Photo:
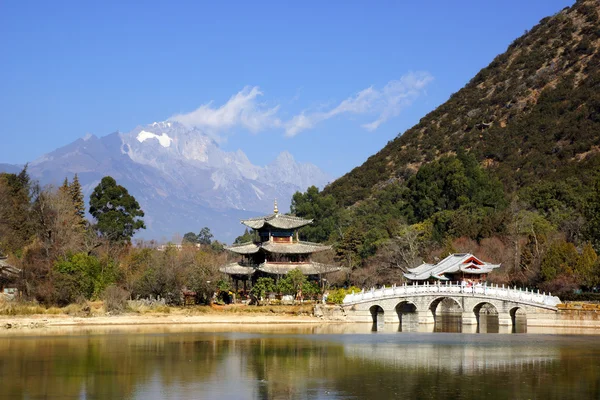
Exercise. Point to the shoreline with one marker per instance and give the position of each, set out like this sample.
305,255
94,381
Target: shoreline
572,319
49,321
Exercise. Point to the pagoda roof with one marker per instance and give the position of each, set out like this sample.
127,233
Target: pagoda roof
309,268
277,220
294,248
244,248
237,269
279,248
463,262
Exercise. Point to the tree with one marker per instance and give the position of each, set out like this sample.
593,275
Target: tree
190,237
586,265
348,248
292,283
77,197
82,275
16,224
592,214
205,236
116,211
247,236
56,223
322,209
262,287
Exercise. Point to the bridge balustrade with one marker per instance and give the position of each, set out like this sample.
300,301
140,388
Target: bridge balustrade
492,291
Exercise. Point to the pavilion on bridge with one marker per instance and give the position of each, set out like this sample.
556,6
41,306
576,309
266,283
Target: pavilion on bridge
276,250
454,268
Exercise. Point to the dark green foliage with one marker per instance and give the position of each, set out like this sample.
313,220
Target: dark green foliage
592,214
116,211
313,205
247,236
452,183
205,236
77,197
16,219
262,287
82,275
190,238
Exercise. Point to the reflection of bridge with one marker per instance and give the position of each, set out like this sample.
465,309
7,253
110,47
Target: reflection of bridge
425,301
452,355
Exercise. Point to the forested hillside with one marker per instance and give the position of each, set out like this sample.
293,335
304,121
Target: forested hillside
507,167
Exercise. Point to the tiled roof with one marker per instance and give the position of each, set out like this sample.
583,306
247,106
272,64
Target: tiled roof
311,268
294,248
244,248
279,221
237,269
464,262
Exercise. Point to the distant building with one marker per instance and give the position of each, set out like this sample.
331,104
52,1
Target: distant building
277,250
164,247
455,267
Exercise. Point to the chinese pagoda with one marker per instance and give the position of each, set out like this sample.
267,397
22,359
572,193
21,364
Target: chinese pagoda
276,250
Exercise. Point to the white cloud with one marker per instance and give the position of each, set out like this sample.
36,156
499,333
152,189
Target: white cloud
242,109
385,103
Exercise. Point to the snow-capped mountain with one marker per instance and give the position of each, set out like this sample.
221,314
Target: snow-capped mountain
180,177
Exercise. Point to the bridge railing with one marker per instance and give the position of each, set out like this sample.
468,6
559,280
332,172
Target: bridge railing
481,290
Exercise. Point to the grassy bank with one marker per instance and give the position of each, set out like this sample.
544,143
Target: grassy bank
98,308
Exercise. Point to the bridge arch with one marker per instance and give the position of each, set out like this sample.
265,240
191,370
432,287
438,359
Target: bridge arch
378,316
487,317
485,307
518,317
444,304
407,314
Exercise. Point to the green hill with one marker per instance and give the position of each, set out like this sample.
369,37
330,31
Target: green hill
523,136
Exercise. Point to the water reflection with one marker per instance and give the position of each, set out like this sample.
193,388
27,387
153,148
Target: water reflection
324,361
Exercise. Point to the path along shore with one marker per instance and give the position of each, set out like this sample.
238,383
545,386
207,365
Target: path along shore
179,316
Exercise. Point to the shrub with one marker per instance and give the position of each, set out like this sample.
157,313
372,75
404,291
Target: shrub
115,299
337,296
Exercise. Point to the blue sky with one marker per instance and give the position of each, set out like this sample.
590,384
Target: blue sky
330,81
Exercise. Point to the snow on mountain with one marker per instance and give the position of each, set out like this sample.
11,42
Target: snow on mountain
181,177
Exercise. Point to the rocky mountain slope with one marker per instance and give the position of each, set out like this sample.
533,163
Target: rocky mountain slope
180,176
531,116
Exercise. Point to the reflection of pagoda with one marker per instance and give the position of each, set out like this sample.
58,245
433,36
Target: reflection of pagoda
276,249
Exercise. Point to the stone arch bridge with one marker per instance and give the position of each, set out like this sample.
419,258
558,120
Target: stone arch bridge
390,304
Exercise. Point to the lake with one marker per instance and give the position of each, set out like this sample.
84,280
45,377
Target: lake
347,361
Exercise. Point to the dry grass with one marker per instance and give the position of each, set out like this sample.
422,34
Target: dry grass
16,308
97,308
302,309
21,308
141,307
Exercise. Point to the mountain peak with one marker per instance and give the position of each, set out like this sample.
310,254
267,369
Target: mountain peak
285,157
180,176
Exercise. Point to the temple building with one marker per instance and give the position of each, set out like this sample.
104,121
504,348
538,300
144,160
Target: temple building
455,267
276,250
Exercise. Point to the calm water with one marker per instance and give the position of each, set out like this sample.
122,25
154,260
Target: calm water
309,362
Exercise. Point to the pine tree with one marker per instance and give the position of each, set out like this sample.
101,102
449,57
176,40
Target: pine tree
77,197
65,186
117,213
